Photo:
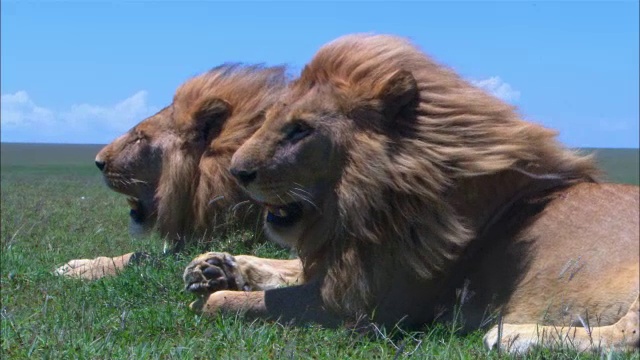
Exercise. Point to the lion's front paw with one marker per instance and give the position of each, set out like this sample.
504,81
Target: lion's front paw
513,339
212,272
74,268
93,269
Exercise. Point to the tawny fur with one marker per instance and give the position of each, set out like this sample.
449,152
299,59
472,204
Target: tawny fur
421,193
176,161
197,194
412,168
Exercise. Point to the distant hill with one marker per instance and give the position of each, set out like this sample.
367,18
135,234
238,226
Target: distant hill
620,165
48,154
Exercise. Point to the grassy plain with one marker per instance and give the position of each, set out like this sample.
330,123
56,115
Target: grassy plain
54,207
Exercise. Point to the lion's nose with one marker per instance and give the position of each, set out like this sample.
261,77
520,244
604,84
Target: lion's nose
100,164
244,176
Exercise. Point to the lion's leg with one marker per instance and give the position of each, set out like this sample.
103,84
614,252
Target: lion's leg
298,304
623,335
265,274
93,269
274,289
213,271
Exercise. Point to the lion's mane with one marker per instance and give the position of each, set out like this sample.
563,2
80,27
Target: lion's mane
197,196
394,189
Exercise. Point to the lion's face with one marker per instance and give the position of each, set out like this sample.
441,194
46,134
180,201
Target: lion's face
132,165
292,163
174,164
300,158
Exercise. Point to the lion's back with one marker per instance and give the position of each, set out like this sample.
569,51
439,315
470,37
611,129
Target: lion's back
578,255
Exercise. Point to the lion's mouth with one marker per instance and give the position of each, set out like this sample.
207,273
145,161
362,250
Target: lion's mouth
136,210
117,183
284,215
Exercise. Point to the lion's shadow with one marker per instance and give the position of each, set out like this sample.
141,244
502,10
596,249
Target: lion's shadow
493,266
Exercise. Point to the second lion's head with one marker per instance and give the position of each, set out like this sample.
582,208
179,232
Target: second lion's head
174,164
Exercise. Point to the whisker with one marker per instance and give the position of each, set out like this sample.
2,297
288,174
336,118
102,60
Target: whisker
305,199
299,188
303,194
291,195
219,197
302,191
236,206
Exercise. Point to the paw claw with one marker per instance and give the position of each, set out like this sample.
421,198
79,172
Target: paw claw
214,261
197,305
213,272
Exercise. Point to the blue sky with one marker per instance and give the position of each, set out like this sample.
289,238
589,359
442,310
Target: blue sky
85,72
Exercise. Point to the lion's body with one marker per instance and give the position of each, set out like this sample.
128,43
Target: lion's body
550,261
409,183
174,164
563,270
579,256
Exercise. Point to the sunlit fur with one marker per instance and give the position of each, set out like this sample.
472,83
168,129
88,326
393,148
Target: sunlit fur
185,150
420,160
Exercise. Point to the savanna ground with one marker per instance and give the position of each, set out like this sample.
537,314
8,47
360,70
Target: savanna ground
56,208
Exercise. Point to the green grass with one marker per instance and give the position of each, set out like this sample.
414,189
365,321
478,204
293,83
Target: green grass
54,207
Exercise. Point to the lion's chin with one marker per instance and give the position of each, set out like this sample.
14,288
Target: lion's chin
284,215
138,224
136,210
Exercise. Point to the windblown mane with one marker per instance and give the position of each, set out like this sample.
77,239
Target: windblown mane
197,195
400,175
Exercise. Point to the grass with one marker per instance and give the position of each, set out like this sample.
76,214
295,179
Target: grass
57,209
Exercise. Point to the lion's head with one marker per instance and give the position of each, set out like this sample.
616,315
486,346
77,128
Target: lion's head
377,164
174,164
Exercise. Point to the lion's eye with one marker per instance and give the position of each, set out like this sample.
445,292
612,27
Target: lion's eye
298,131
138,139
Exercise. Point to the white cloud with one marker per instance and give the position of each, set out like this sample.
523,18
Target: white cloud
23,120
18,110
495,86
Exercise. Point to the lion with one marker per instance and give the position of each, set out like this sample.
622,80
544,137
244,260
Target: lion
173,165
412,196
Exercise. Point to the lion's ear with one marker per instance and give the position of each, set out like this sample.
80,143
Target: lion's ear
396,92
212,113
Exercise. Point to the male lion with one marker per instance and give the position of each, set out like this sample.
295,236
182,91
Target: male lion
408,193
174,164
